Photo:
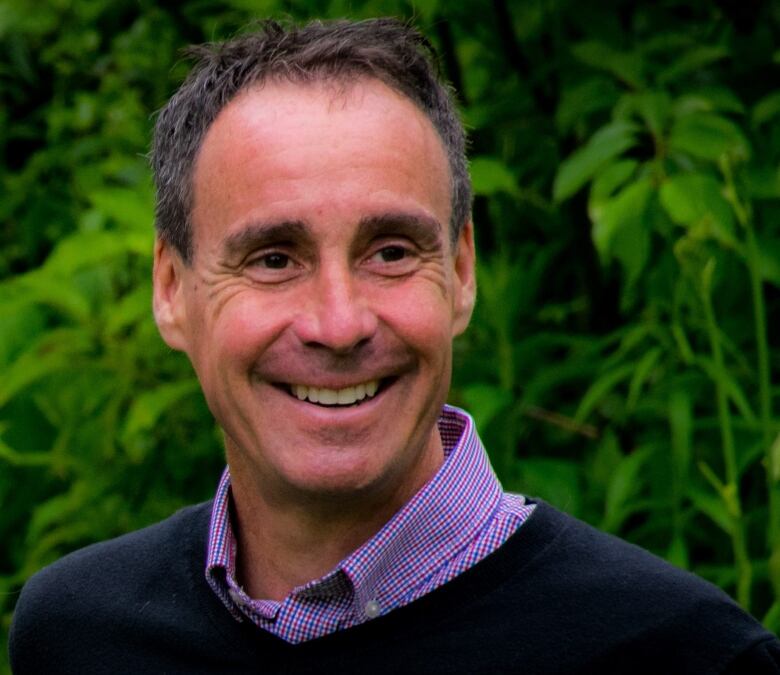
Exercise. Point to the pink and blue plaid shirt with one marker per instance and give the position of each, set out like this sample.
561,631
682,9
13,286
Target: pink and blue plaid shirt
456,519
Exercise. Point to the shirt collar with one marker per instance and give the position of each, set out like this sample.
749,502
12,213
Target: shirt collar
441,518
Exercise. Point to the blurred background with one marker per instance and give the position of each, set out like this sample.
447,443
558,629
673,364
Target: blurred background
621,363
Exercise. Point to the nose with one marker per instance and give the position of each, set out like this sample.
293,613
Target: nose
336,313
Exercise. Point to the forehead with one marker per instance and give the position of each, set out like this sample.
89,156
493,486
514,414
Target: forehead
318,150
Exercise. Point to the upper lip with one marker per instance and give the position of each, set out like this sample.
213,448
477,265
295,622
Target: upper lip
313,373
324,379
332,384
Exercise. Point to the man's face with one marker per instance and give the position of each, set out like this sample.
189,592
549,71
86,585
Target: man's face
324,293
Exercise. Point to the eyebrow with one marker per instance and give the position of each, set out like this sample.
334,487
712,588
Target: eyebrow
257,234
424,229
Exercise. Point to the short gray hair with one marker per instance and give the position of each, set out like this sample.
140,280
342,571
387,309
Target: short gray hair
386,49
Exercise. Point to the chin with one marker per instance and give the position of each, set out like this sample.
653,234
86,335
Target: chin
345,483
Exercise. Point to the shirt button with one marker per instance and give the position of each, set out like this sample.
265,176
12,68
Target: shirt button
372,609
235,597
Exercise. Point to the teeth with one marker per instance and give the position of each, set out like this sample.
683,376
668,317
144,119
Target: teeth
327,396
346,396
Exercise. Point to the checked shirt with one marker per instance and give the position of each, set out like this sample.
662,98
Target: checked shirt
454,521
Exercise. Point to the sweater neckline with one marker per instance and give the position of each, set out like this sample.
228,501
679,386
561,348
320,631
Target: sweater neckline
543,527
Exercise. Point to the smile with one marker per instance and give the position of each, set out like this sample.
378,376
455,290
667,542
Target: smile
331,397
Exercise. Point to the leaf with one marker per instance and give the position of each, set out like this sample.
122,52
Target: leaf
625,483
68,536
130,208
766,109
87,249
58,509
600,389
606,144
774,569
769,260
696,201
255,7
708,136
619,228
681,427
606,459
148,408
426,9
771,619
611,178
733,390
490,176
592,95
21,323
17,458
40,288
132,308
711,506
644,369
707,99
52,353
774,461
625,66
683,344
762,181
654,107
691,61
677,553
508,287
554,480
485,402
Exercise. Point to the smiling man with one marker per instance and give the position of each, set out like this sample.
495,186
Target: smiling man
315,260
318,309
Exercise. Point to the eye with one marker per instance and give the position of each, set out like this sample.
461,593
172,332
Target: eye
272,267
394,259
392,253
274,261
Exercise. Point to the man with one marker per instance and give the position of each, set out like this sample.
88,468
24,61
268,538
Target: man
314,260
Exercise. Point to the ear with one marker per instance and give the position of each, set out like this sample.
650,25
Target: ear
168,295
465,279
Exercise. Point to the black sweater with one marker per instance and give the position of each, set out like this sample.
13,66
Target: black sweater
558,597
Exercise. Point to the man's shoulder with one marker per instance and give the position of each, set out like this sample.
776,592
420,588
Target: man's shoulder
589,554
569,554
124,559
617,596
131,585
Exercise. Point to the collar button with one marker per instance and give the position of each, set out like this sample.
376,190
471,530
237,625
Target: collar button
235,597
372,609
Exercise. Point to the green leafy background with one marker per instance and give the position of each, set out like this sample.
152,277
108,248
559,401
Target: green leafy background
621,360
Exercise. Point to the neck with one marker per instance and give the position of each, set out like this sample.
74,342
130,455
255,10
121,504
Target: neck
285,543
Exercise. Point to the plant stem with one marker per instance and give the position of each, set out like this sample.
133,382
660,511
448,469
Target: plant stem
730,491
753,261
506,376
764,388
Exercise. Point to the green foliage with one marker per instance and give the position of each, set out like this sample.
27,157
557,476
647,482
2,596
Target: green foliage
620,362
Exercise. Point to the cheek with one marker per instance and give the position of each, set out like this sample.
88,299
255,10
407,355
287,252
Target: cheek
424,322
246,328
232,335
